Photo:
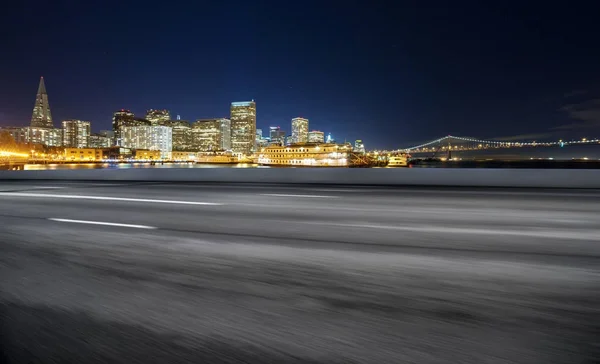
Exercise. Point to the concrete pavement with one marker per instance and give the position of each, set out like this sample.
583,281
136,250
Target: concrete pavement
247,273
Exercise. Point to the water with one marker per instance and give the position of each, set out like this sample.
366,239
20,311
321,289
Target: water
536,164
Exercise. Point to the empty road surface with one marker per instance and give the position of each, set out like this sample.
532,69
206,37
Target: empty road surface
101,272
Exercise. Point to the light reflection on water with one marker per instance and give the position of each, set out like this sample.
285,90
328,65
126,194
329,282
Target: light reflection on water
56,166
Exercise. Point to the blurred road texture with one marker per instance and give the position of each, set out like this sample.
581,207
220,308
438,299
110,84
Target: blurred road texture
98,272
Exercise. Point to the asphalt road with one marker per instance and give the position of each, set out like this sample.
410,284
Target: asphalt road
174,273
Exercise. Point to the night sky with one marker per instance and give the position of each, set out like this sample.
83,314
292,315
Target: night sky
391,73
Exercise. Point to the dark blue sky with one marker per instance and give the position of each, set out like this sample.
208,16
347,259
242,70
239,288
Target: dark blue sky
389,72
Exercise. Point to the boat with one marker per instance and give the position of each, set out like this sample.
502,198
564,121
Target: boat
217,158
306,155
400,160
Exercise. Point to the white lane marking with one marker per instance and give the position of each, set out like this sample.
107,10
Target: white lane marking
103,223
289,195
335,190
44,187
555,234
108,198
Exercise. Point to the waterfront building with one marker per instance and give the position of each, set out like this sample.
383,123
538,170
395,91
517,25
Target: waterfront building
146,154
299,130
243,127
41,116
76,133
83,154
316,136
149,137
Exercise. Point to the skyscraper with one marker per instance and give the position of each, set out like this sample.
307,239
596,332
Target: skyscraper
225,134
277,135
121,118
206,135
243,127
316,136
76,133
155,117
41,116
299,130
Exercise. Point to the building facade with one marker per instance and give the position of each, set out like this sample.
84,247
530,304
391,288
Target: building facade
156,117
316,136
181,129
76,133
243,127
18,133
83,154
100,141
41,116
206,135
149,137
51,137
299,130
120,119
276,135
225,134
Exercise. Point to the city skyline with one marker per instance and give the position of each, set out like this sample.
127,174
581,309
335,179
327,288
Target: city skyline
391,75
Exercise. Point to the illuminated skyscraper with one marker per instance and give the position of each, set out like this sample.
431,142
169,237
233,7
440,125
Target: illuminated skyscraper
299,130
277,135
149,137
98,141
182,137
41,117
316,136
121,118
155,117
243,127
225,134
76,133
206,135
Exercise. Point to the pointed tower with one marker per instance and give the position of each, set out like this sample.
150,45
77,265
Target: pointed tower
41,116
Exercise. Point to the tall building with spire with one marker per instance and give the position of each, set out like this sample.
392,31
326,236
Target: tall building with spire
41,117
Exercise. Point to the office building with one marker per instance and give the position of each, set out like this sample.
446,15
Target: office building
289,140
225,134
149,137
76,133
243,127
41,116
98,141
182,137
359,147
51,137
206,135
121,118
276,135
156,117
18,133
299,130
316,136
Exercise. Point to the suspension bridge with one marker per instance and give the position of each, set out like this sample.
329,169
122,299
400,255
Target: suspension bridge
451,143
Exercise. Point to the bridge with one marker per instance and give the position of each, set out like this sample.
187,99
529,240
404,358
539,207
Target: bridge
457,143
